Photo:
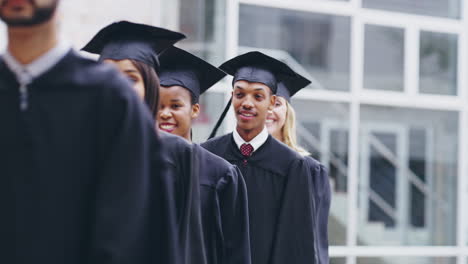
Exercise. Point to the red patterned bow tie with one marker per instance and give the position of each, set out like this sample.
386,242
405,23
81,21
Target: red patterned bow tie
246,149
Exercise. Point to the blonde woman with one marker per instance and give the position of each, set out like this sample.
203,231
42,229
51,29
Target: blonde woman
281,124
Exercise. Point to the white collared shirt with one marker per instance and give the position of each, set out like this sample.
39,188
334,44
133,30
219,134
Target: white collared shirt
26,73
256,142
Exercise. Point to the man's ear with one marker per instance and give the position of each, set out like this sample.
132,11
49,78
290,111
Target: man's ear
195,111
272,102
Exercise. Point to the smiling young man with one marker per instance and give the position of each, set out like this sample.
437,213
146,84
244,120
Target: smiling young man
78,180
281,206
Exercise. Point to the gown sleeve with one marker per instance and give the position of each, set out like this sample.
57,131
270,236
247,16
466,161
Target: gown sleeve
322,195
191,224
295,237
131,222
233,207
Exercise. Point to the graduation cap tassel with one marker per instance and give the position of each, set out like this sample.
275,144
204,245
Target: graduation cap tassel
220,120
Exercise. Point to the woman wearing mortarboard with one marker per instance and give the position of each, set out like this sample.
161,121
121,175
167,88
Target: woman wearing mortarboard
212,201
281,124
281,204
133,49
184,77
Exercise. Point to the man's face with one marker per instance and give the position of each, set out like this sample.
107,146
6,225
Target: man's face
23,13
251,102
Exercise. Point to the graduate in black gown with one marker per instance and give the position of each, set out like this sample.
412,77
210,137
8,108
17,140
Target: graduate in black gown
79,159
134,49
188,164
281,207
184,77
281,124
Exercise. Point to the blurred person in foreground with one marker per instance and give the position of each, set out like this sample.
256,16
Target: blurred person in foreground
79,158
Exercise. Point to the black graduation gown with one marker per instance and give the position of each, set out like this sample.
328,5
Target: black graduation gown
78,171
281,207
322,197
224,210
182,163
221,200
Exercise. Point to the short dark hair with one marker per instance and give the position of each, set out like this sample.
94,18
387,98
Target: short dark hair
151,83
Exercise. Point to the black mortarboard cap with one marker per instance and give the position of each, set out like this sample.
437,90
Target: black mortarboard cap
289,86
127,40
181,68
257,67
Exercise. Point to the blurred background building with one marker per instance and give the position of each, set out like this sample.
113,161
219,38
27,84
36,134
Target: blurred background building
387,111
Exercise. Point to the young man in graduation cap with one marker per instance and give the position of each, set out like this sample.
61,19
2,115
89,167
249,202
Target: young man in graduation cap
281,124
281,207
184,77
76,181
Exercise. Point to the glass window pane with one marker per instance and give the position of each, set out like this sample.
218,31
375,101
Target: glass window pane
323,129
407,260
80,20
211,106
384,56
337,260
438,63
438,8
408,177
203,21
316,45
